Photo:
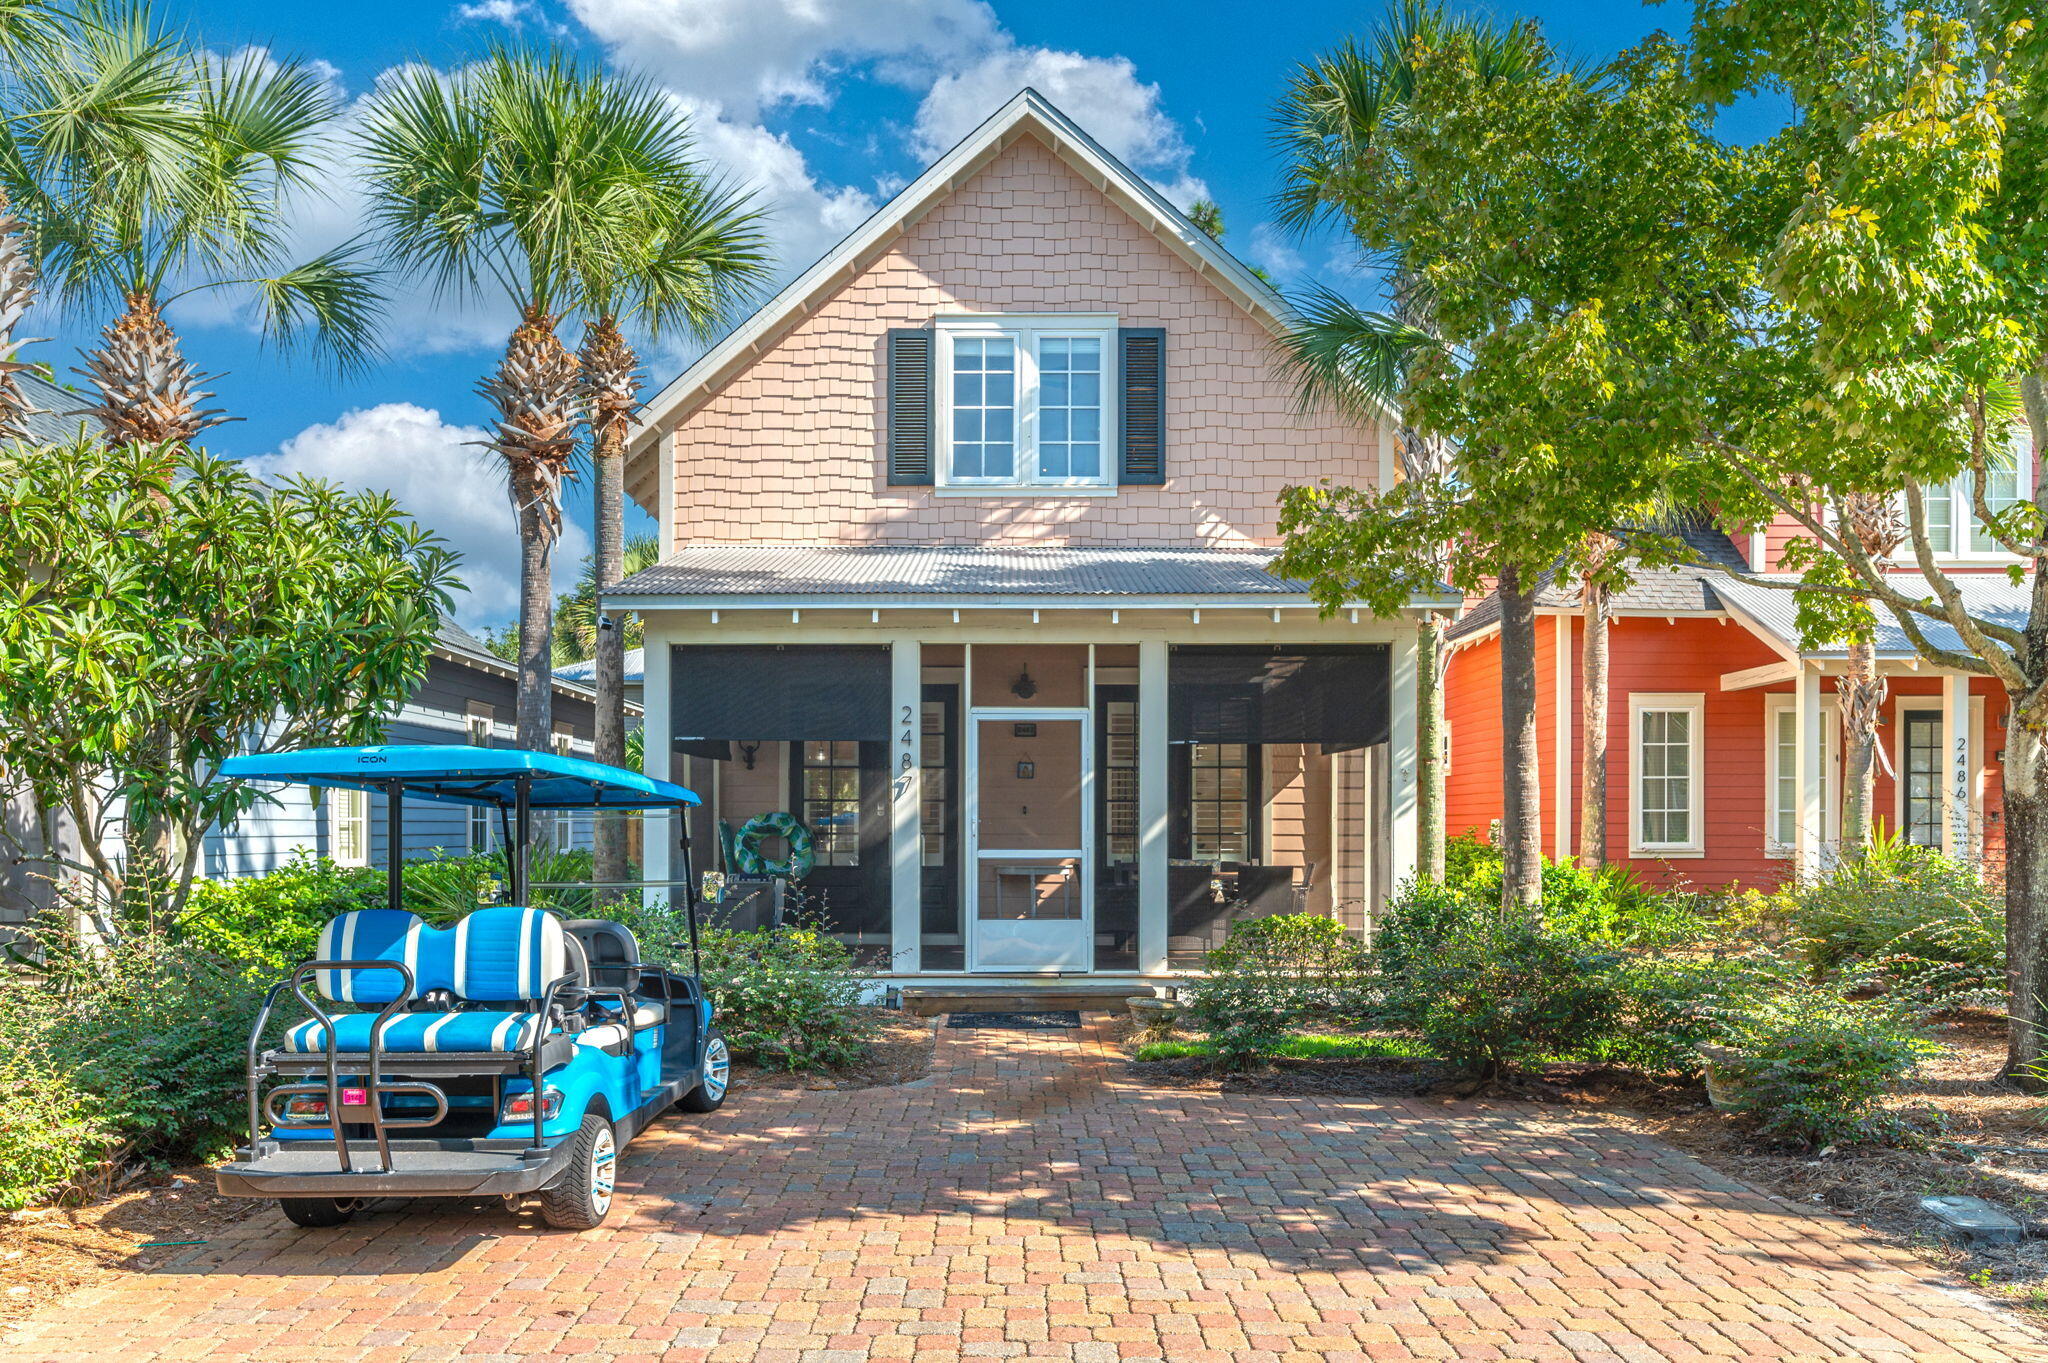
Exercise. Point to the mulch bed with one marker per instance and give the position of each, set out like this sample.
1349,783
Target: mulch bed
47,1251
1992,1141
902,1052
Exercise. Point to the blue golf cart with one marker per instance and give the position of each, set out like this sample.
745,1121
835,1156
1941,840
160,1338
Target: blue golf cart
509,1053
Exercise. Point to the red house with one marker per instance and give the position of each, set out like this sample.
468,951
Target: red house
1724,748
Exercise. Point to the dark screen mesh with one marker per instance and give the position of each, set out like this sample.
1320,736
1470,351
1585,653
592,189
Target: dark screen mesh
1336,696
805,691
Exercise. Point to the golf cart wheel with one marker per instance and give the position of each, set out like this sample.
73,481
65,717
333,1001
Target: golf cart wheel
316,1213
709,1096
582,1197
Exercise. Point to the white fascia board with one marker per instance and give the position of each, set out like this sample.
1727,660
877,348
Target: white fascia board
996,603
1066,138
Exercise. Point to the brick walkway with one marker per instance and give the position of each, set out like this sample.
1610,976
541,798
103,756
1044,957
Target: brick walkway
1029,1202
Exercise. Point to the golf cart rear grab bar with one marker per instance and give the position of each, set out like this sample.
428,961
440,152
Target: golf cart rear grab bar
375,1084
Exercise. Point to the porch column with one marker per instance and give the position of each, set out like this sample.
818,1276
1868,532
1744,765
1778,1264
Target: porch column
1955,767
1808,773
1152,806
906,776
1402,760
658,830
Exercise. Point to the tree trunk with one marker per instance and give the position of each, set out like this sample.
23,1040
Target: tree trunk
1593,720
17,296
1429,743
2026,885
1862,693
608,382
535,709
1521,805
149,392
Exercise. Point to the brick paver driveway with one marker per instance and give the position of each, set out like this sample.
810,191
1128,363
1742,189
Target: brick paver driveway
1029,1202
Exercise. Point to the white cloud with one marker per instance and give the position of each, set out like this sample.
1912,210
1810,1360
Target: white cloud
1102,94
441,477
511,12
1271,252
749,55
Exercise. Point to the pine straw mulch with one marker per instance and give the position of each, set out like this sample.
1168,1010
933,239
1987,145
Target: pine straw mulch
45,1252
901,1053
1992,1141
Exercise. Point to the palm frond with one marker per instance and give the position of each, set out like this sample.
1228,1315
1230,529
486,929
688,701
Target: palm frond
330,303
1343,357
30,26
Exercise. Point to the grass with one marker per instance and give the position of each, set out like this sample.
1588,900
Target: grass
1300,1048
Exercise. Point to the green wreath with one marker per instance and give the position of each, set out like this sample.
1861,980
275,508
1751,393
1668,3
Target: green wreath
781,824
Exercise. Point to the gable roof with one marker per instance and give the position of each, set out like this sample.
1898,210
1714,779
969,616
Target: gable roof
1685,589
1028,113
54,417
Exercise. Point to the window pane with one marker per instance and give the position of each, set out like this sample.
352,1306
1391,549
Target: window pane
1069,407
984,406
1940,517
2001,490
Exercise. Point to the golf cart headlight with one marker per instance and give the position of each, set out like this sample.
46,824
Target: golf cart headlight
305,1107
519,1107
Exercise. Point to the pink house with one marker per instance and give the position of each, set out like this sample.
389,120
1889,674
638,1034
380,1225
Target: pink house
965,542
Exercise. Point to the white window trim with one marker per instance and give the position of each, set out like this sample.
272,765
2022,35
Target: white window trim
1963,515
1694,702
359,800
480,713
1831,774
1975,759
1027,329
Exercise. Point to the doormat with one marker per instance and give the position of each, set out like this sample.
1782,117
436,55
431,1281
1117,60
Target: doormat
1017,1022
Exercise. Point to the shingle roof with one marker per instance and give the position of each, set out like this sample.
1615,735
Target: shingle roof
49,423
788,571
1672,591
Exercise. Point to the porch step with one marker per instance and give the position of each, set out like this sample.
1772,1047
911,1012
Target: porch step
1007,997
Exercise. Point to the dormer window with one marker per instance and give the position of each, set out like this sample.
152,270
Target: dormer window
1026,401
1953,530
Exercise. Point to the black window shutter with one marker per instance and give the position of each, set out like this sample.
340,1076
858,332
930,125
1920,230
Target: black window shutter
910,407
1141,415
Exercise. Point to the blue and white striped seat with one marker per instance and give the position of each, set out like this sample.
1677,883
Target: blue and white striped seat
503,955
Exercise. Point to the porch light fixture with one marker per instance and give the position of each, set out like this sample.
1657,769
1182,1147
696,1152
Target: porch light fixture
1024,688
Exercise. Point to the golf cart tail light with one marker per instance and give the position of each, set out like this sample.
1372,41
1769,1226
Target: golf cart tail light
355,1097
521,1105
304,1106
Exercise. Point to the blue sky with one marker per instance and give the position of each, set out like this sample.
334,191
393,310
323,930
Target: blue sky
824,107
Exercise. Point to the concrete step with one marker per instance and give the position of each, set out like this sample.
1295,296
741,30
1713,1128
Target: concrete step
930,1001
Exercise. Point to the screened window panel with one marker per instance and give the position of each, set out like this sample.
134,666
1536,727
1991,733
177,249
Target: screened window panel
1336,697
723,693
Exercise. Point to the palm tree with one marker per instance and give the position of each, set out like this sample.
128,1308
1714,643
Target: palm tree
560,189
1331,126
149,170
26,26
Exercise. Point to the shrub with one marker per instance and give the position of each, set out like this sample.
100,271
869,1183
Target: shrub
1272,973
791,998
1500,991
1609,906
269,923
1810,1066
133,1051
1910,920
1667,1006
1421,914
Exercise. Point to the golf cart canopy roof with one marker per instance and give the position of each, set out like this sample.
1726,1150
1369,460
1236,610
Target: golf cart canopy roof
466,775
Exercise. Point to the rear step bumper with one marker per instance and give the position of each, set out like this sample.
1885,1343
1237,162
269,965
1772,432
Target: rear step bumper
415,1172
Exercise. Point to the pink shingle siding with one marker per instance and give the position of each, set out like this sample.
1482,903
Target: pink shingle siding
791,449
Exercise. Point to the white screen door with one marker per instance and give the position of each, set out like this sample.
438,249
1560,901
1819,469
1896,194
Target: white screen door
1031,818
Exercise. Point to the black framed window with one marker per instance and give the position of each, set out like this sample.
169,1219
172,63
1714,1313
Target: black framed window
1120,782
1922,776
831,799
1220,786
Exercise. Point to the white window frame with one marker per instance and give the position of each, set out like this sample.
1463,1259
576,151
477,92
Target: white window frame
1963,515
480,723
1831,773
1901,705
1026,330
1695,704
345,807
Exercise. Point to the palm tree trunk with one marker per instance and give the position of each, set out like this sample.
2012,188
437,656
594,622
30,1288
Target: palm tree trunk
1598,602
1862,691
17,296
534,708
1430,658
1521,804
609,385
149,392
534,391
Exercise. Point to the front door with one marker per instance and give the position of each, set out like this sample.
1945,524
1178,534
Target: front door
1031,820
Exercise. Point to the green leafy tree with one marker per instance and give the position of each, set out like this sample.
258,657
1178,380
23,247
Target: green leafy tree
1565,229
559,188
160,611
148,170
1902,340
